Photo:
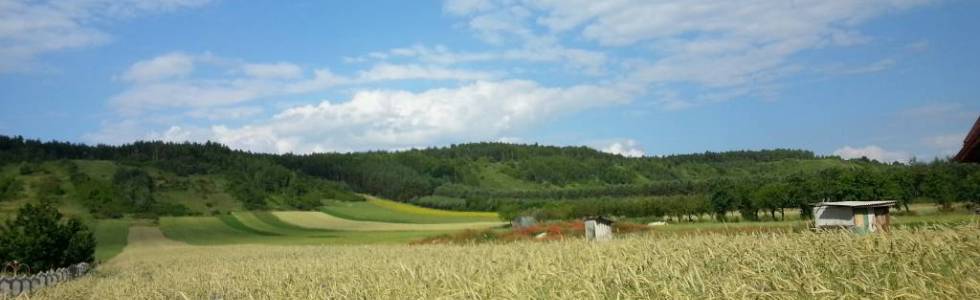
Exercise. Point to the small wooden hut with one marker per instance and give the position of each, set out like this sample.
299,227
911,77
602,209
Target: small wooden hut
598,229
859,216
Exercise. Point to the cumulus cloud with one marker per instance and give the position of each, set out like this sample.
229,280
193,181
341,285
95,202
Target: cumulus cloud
397,119
462,7
720,45
685,54
160,67
225,113
385,71
874,67
627,148
275,70
32,28
169,81
872,152
590,61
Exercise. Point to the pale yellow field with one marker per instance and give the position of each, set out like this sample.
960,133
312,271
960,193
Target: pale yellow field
931,263
412,209
319,220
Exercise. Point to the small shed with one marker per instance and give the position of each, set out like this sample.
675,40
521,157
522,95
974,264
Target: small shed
522,222
598,229
859,216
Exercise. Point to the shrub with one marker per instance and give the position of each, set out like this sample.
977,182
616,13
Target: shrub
38,238
10,188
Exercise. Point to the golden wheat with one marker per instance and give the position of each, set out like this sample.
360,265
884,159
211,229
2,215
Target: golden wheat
927,263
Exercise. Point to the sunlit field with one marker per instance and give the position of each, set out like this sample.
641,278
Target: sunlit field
927,263
377,209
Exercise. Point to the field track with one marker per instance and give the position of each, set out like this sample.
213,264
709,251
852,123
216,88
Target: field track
149,237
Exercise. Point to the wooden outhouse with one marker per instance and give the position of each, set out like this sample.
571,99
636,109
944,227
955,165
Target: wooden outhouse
859,216
598,229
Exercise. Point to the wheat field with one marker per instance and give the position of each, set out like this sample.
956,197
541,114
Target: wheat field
923,263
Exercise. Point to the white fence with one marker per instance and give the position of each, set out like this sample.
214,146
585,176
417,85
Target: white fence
14,286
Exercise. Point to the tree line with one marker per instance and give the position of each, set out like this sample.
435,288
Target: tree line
462,176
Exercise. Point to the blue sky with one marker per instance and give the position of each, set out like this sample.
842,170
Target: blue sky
887,79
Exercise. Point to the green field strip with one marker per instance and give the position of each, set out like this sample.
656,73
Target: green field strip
205,231
425,211
235,223
380,210
320,220
111,236
271,219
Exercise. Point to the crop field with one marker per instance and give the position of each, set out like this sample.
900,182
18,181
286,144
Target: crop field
377,209
111,238
224,231
319,220
925,262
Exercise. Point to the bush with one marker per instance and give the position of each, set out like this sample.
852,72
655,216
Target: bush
38,238
48,188
305,202
28,168
10,188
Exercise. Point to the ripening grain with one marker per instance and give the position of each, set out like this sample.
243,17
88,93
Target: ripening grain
922,263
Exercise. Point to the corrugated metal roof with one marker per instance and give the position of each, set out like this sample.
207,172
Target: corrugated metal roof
858,203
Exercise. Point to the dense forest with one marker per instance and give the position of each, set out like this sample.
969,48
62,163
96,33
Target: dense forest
547,181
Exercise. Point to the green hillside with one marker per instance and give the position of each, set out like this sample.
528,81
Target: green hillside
153,179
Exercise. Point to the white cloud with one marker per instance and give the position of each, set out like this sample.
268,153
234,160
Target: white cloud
718,45
392,119
32,28
872,152
168,81
225,113
197,94
160,67
276,70
385,71
463,7
627,148
589,61
874,67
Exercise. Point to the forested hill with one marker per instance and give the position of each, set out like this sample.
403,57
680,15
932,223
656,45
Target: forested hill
487,175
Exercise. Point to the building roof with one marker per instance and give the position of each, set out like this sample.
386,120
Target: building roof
858,203
971,145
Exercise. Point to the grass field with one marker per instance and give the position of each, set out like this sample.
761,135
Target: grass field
256,228
319,220
376,209
110,238
925,263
